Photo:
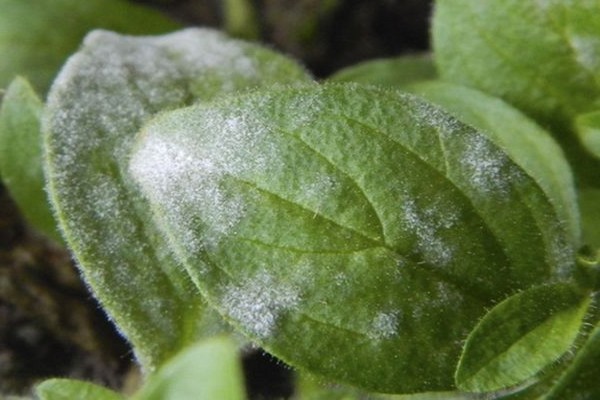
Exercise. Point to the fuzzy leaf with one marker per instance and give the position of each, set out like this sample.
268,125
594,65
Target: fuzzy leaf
581,379
21,155
101,98
541,56
522,139
37,36
343,226
397,72
208,370
69,389
588,128
520,336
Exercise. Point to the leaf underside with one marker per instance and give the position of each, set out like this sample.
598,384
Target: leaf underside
342,226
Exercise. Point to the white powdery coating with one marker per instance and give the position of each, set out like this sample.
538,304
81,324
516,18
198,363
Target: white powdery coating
426,225
182,174
383,326
587,50
258,303
486,166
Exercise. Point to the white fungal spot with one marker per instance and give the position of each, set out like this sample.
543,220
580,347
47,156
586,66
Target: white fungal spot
383,326
426,225
258,303
182,173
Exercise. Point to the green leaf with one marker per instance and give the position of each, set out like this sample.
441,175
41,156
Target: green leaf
528,145
397,72
208,370
21,155
589,203
343,226
102,96
581,379
520,336
69,389
541,56
39,35
588,128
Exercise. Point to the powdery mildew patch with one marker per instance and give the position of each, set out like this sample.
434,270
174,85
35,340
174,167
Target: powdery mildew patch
184,174
383,326
258,303
427,225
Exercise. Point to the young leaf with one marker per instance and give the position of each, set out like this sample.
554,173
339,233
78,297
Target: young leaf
522,139
102,96
343,226
69,389
581,379
208,370
39,35
541,56
397,72
21,155
588,128
520,336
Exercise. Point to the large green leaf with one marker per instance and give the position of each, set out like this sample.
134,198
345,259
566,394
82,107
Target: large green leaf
349,230
69,389
396,72
209,370
102,96
21,157
520,336
36,36
522,139
541,56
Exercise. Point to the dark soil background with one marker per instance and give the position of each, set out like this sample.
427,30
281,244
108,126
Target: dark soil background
49,323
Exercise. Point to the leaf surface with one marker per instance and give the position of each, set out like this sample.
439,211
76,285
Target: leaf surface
397,72
21,155
589,203
101,98
581,379
39,38
69,389
522,139
541,56
341,226
208,370
520,336
588,128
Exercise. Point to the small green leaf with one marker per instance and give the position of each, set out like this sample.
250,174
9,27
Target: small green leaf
37,36
588,128
397,72
69,389
522,139
344,226
581,379
541,56
520,336
100,100
21,155
589,203
208,370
